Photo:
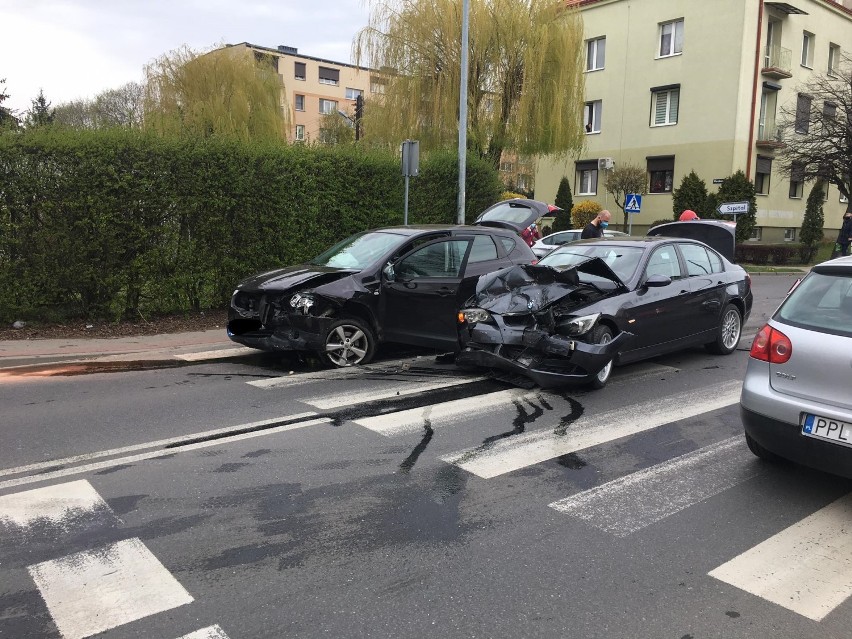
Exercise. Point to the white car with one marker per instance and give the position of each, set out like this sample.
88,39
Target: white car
546,244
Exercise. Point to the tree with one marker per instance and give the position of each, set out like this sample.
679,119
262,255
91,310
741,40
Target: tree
122,107
623,180
811,234
525,84
40,113
335,128
738,188
691,194
565,201
226,92
816,130
8,119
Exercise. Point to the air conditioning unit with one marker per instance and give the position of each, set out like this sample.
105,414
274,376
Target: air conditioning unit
605,164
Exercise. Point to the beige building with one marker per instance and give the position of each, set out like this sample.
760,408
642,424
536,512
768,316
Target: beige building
682,85
314,88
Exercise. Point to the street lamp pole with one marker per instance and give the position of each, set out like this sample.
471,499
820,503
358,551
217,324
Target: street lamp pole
463,111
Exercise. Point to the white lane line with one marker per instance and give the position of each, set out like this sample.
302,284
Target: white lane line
95,590
806,568
625,505
211,632
221,353
57,504
512,453
155,444
412,420
389,367
400,389
120,461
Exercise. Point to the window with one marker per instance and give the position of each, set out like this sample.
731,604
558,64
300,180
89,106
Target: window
506,166
671,38
664,262
829,111
797,180
508,244
377,84
756,234
807,48
587,178
833,59
300,132
789,235
595,54
592,116
353,94
329,76
300,102
327,106
696,258
803,113
300,70
661,174
761,177
442,259
665,102
483,249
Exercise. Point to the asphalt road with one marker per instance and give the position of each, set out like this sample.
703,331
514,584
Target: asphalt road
233,498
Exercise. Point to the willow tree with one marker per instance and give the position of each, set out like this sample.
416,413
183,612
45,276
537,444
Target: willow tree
226,92
525,81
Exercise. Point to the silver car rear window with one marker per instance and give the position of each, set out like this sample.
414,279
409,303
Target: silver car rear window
822,302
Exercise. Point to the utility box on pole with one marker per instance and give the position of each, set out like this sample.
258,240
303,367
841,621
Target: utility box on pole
410,167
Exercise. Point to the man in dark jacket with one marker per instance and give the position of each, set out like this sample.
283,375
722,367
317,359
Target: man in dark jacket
845,235
596,227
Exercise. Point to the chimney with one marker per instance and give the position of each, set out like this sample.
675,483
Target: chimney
285,49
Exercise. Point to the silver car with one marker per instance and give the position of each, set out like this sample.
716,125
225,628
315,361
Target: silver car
796,400
553,241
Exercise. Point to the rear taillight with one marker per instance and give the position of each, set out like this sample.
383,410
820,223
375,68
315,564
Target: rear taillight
771,345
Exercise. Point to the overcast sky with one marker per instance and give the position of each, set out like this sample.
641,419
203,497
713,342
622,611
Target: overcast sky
78,48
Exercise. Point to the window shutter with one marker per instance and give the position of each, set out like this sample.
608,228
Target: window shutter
332,75
764,165
300,69
660,109
665,163
797,172
674,104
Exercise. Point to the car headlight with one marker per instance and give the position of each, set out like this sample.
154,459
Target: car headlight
474,315
581,325
302,302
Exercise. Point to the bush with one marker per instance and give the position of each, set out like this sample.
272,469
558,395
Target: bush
763,254
658,222
565,201
511,195
584,212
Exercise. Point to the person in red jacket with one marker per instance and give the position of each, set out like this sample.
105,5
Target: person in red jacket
689,214
531,234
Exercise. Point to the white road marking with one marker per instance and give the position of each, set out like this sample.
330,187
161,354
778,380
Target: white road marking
54,503
412,420
806,568
95,590
400,389
151,454
221,353
625,505
154,444
211,632
389,367
512,453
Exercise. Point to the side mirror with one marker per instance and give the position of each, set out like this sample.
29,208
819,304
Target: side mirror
388,272
658,281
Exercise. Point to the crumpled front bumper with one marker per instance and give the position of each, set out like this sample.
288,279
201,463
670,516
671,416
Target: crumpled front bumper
293,332
549,360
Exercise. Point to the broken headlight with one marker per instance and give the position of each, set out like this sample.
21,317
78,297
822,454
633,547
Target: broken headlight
302,302
581,325
474,315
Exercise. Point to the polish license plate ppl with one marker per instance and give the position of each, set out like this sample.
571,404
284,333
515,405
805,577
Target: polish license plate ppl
833,430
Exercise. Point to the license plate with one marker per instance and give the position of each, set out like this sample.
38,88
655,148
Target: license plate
833,430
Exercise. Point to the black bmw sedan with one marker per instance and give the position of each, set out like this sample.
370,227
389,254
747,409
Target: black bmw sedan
400,284
597,303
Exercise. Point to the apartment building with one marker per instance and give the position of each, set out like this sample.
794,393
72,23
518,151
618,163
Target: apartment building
682,85
314,87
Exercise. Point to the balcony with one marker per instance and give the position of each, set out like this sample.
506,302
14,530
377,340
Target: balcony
776,62
769,137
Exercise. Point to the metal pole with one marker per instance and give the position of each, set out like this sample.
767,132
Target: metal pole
405,210
463,111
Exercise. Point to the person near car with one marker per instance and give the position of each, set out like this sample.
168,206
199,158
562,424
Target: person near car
688,215
845,235
531,234
596,227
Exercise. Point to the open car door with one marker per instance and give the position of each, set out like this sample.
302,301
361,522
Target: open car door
516,214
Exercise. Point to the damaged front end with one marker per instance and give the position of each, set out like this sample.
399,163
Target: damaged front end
529,320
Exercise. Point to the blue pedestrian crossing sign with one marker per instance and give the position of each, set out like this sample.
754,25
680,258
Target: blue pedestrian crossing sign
633,203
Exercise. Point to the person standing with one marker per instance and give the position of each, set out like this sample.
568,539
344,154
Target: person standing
845,235
596,227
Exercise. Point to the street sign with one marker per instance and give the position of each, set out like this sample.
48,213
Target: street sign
718,180
633,203
732,208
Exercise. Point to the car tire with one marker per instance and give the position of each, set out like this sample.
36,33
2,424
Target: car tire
760,451
601,335
728,333
349,342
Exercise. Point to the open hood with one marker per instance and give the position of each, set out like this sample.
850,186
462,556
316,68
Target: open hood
516,214
718,234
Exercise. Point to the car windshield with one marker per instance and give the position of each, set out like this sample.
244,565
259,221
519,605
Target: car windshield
623,260
822,302
359,251
508,212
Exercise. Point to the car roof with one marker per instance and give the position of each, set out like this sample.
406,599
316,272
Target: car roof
417,229
837,266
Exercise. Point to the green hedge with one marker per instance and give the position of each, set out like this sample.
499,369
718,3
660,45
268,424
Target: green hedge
761,254
105,224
